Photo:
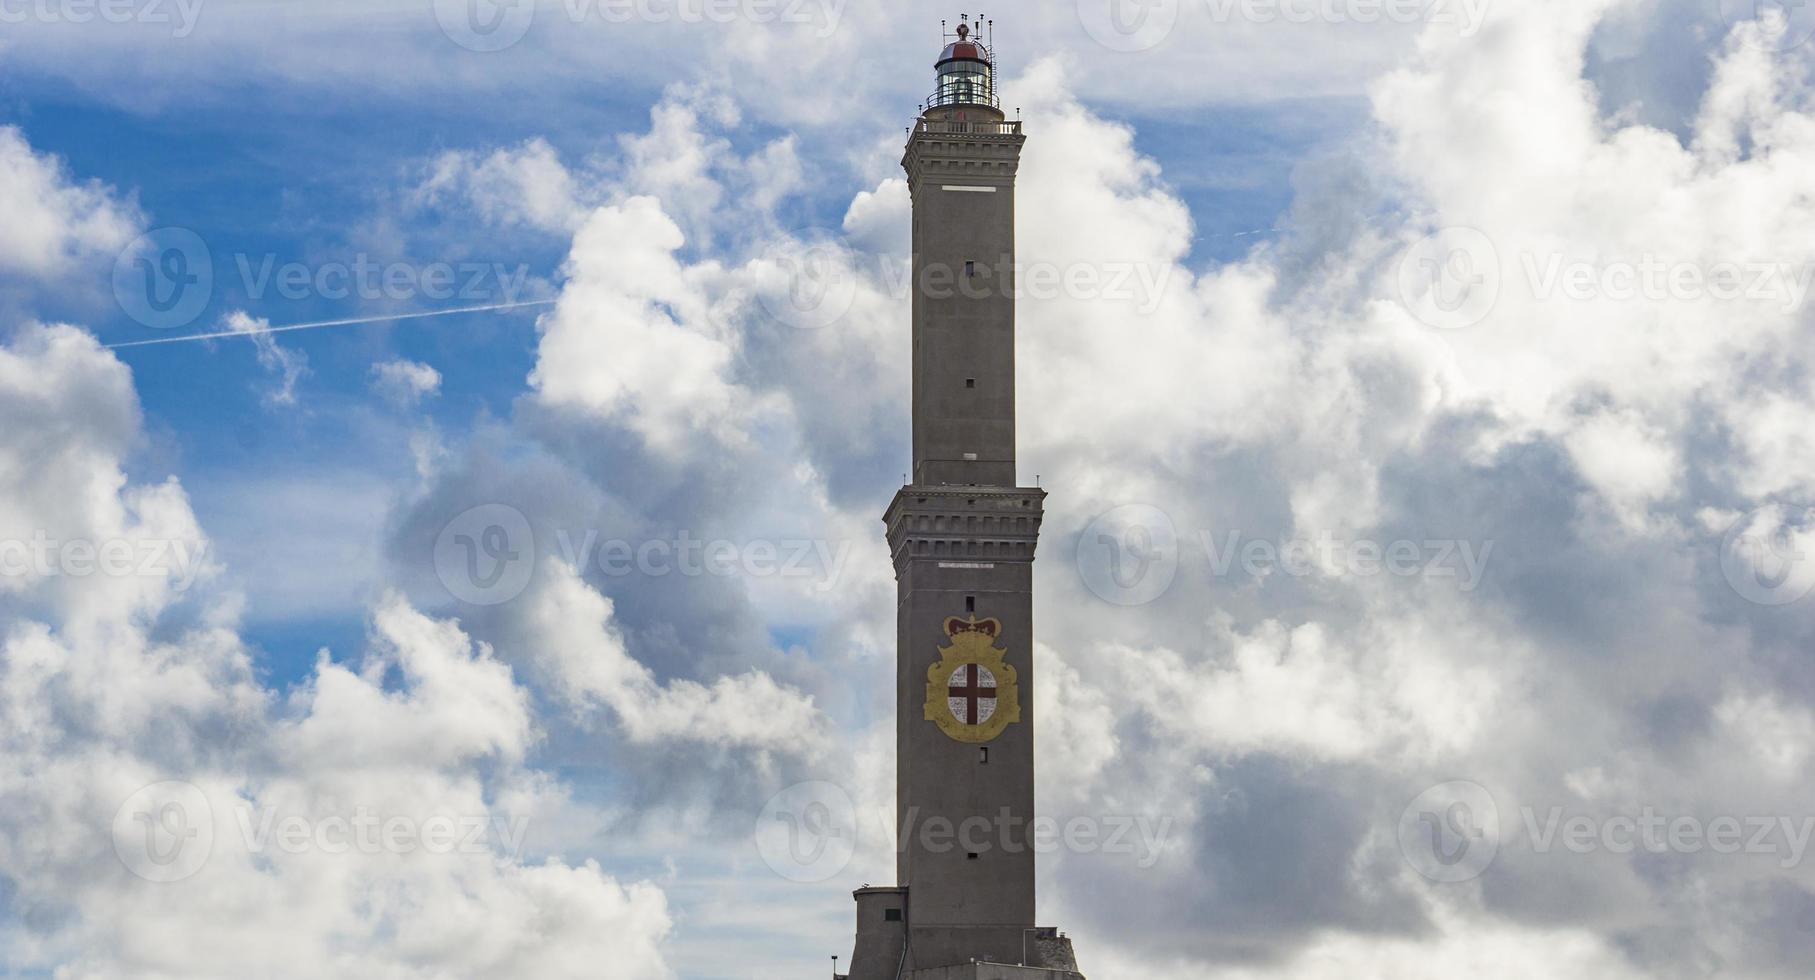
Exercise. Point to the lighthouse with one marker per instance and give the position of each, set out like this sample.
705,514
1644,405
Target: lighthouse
962,536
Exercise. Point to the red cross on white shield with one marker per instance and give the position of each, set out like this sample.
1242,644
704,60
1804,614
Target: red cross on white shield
971,694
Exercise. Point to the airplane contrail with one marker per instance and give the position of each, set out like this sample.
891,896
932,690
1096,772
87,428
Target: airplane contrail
286,328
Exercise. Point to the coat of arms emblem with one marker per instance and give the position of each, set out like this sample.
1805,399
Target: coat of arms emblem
971,693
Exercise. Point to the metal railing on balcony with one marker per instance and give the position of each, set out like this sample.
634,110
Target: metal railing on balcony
1008,127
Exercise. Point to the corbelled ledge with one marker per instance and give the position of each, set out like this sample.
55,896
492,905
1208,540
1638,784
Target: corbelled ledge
965,523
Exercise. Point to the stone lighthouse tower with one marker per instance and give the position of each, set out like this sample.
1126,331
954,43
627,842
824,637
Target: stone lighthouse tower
962,535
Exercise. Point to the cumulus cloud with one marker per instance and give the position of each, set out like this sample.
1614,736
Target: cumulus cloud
114,689
569,626
629,339
1290,404
55,223
521,185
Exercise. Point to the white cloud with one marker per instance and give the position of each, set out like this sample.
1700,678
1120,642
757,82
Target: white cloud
631,339
405,382
286,365
116,682
53,221
1376,695
569,631
525,184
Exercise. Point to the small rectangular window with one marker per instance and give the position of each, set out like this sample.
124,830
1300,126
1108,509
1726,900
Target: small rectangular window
970,603
891,915
970,382
970,270
972,856
983,756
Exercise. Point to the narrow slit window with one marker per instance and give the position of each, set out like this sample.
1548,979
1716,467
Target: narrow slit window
970,603
983,756
970,270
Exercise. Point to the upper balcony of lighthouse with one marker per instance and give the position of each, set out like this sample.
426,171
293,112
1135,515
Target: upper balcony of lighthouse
964,90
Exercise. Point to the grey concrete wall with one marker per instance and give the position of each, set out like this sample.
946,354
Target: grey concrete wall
953,544
963,306
878,953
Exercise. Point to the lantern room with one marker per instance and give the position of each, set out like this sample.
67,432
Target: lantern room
966,81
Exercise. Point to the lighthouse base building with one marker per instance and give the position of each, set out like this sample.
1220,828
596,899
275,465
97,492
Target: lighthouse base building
962,535
883,954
